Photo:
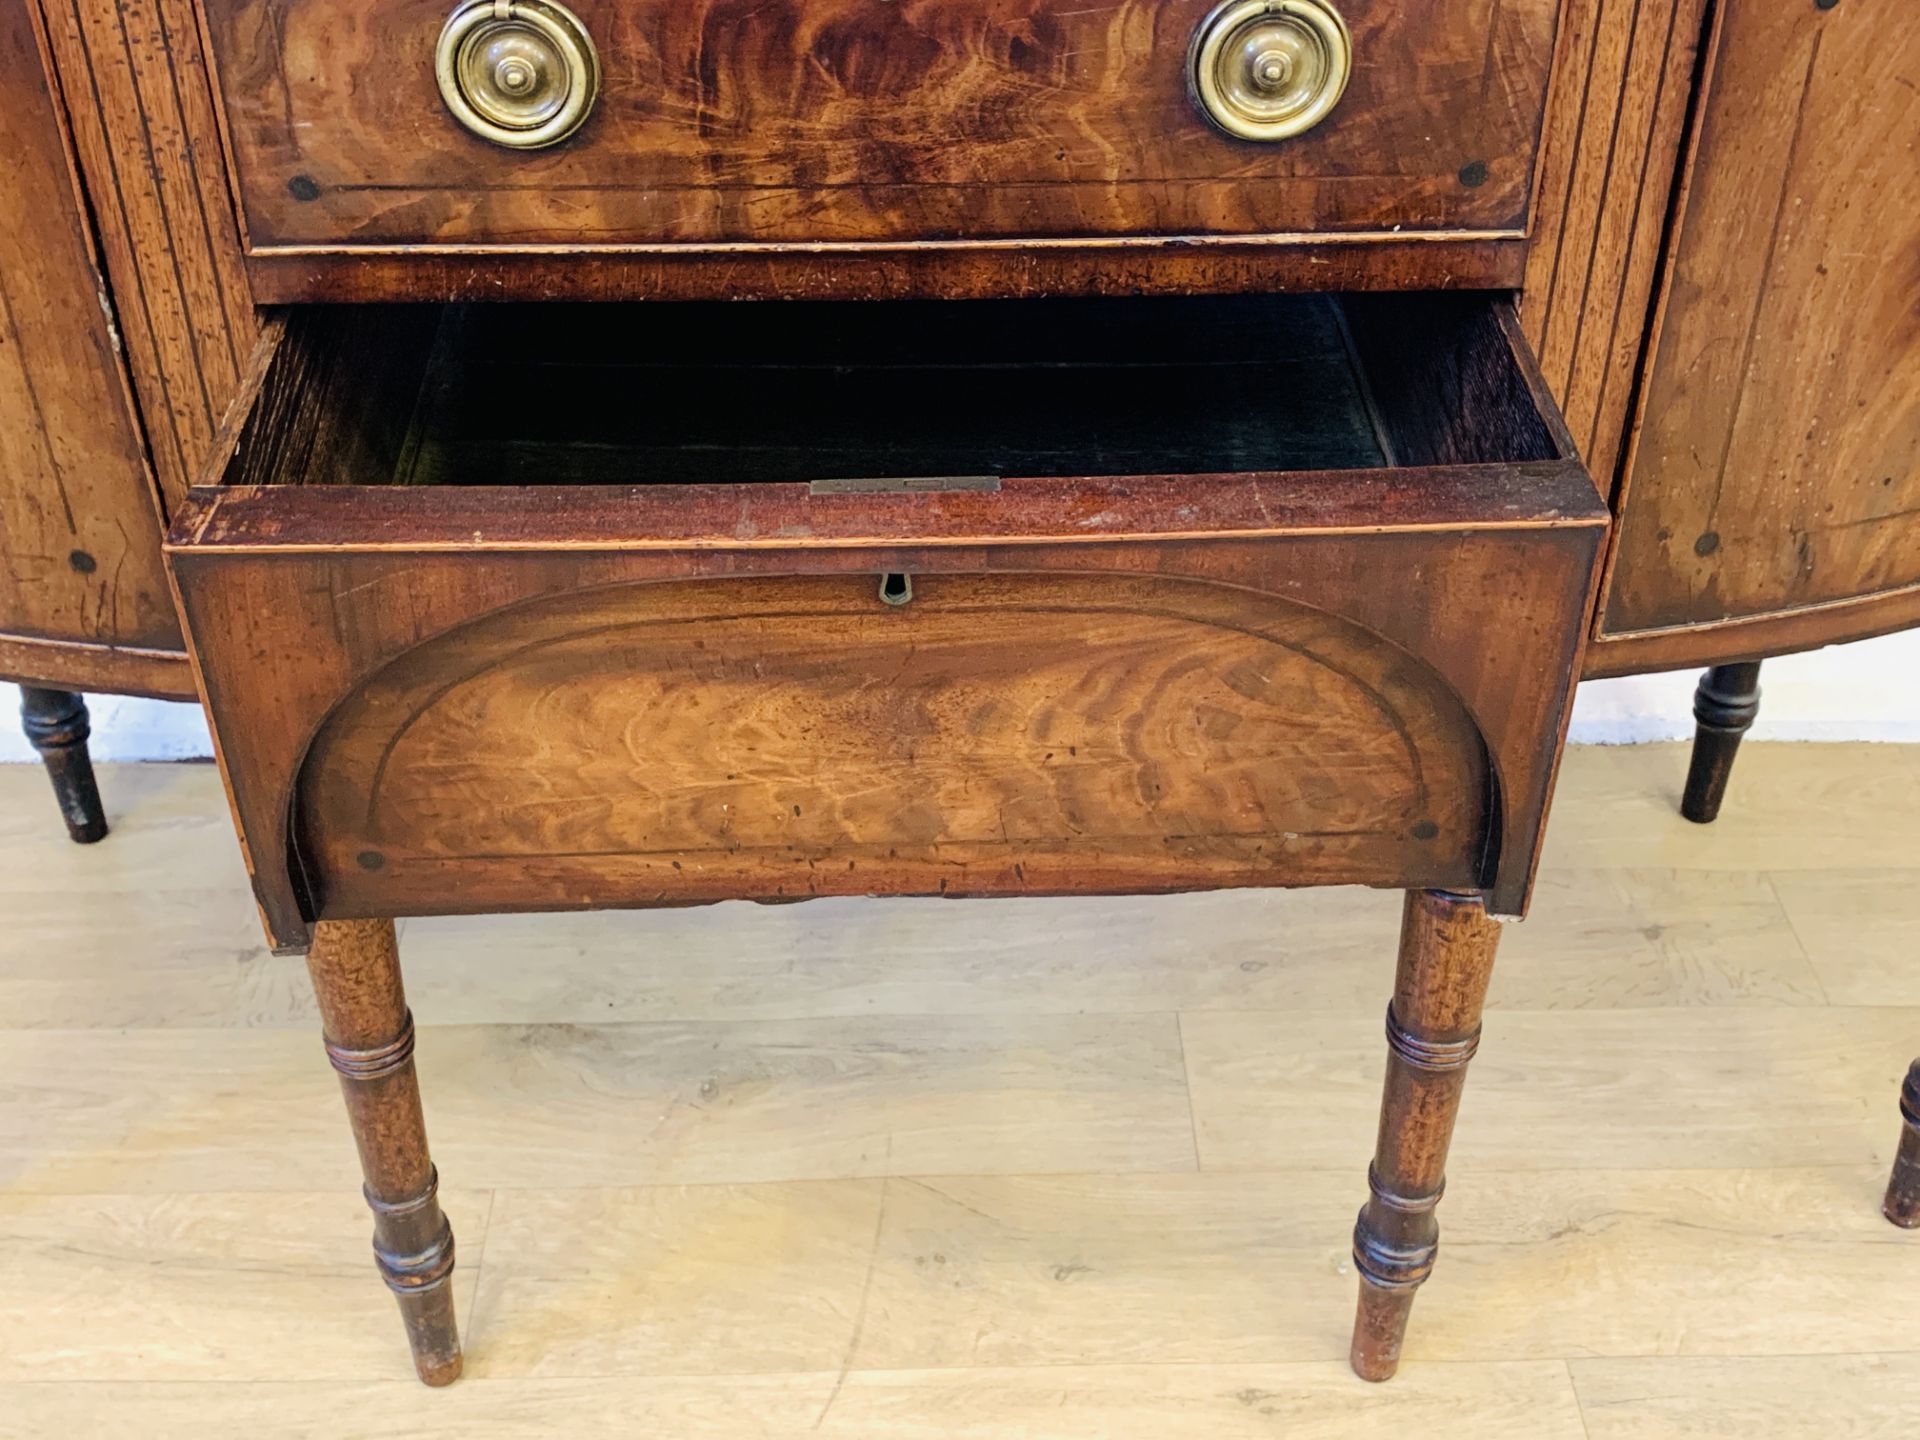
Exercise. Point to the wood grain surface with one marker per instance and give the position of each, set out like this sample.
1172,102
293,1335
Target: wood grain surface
1610,155
1774,471
793,738
1860,947
1786,1398
79,527
1127,1402
181,1251
832,121
149,148
114,669
943,270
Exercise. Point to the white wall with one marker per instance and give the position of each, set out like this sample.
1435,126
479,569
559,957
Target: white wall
1866,691
123,729
1869,690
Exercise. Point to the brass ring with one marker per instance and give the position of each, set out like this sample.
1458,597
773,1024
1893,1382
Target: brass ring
521,73
1270,69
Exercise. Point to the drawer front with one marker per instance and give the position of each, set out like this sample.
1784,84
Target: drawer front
450,697
849,121
994,733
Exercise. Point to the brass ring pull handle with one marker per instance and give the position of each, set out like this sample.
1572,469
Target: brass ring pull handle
1270,69
521,73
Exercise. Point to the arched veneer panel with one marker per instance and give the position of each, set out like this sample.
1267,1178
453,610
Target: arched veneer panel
675,742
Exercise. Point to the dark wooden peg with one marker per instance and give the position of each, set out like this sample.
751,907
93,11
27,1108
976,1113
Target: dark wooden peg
1902,1204
1723,711
56,724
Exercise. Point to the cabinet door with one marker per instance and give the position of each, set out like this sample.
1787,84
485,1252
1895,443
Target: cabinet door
84,602
1770,498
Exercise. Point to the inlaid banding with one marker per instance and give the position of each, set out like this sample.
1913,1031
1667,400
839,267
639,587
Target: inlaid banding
1426,1054
378,1061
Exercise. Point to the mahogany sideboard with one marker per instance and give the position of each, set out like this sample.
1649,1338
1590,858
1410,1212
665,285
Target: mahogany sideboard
1148,469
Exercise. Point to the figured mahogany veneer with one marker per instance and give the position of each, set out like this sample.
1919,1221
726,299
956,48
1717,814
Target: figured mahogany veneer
1024,732
877,131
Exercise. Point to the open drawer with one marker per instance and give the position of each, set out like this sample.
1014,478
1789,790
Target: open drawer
539,607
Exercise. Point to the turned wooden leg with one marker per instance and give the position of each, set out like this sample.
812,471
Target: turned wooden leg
1723,711
1902,1204
1446,958
369,1033
56,723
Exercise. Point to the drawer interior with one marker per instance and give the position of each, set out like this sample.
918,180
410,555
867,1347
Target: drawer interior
716,393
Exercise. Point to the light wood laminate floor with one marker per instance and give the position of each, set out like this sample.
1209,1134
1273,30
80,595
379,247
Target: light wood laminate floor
982,1169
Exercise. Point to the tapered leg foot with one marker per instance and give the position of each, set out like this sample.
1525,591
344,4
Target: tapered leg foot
1902,1204
413,1248
1379,1328
1723,711
355,966
56,724
1447,944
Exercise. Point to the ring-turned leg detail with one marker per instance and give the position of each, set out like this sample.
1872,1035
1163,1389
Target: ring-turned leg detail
1724,707
369,1038
1447,944
56,724
1902,1205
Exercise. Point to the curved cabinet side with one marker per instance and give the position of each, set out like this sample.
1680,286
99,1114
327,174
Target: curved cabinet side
83,596
1771,497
